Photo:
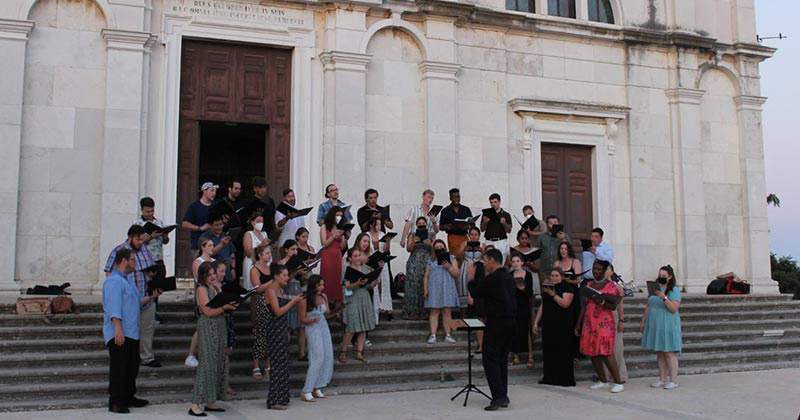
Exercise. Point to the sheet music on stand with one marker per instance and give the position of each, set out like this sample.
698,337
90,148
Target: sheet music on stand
474,323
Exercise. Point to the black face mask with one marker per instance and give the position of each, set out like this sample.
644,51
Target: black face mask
663,280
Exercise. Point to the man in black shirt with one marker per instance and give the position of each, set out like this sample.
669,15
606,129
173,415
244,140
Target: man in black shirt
496,224
456,232
371,210
260,194
497,291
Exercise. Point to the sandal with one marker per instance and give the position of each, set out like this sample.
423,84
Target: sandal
257,375
343,358
360,357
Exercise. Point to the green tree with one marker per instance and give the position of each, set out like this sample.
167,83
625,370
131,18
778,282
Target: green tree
787,273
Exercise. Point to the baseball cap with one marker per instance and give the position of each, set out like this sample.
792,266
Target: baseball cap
207,185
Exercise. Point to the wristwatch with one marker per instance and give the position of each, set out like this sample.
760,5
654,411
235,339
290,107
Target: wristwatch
665,299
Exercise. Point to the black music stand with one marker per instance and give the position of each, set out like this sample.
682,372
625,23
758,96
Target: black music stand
460,324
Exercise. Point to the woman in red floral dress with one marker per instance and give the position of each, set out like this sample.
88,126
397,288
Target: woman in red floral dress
597,329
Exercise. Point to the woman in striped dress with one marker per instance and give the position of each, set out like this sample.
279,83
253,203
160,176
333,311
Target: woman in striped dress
211,378
277,332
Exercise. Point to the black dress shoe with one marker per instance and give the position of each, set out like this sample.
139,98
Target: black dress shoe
137,402
491,407
192,413
119,409
153,364
214,410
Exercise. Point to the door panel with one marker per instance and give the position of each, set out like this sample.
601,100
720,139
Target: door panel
567,187
231,83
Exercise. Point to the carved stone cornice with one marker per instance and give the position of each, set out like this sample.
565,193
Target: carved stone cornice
16,30
749,102
533,106
439,70
346,61
685,96
128,40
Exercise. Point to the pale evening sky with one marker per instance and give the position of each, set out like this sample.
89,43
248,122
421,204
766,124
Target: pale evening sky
781,84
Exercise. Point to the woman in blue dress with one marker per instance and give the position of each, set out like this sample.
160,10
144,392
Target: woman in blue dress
661,328
313,312
439,290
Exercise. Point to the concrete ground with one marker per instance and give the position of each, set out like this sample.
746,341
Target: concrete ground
746,395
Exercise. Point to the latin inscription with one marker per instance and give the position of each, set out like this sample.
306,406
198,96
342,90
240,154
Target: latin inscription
230,10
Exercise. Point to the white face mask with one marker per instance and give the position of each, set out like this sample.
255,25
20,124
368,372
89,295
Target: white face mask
338,219
259,226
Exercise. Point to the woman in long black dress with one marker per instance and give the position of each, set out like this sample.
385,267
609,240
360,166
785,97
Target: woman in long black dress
523,291
556,317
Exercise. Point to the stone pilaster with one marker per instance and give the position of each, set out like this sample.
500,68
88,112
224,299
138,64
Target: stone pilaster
122,163
440,85
13,42
344,127
754,206
690,209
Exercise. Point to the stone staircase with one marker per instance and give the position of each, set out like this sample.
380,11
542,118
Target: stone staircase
66,365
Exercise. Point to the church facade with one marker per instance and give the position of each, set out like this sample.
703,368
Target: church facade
642,117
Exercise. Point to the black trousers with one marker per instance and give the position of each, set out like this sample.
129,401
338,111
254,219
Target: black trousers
122,371
497,340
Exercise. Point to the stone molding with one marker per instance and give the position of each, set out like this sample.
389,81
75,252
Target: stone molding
128,40
16,30
569,108
685,96
346,61
749,102
439,70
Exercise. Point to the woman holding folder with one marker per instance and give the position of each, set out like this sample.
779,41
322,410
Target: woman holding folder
661,327
382,297
211,377
333,242
419,245
439,289
277,332
359,313
260,277
555,320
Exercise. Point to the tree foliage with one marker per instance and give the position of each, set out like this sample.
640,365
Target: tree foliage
787,273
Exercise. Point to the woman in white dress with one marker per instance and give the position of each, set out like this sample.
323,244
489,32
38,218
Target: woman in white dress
252,238
382,296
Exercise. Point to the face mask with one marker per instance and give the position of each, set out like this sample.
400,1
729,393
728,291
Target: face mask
259,226
338,219
662,280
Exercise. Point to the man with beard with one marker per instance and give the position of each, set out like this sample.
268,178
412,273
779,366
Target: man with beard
195,219
138,278
500,305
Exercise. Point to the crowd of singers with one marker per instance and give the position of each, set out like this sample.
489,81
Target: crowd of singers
265,248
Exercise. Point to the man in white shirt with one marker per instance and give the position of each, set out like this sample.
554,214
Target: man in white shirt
600,250
288,224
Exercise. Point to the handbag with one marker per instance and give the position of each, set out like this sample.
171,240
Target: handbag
399,283
62,305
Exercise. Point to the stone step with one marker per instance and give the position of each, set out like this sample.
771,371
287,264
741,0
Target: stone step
75,365
369,375
100,399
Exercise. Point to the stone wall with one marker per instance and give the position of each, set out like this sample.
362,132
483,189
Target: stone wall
62,144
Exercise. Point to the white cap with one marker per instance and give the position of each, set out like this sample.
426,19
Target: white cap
207,185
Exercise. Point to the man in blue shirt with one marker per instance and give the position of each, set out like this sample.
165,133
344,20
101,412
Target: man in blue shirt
121,305
332,195
600,250
195,220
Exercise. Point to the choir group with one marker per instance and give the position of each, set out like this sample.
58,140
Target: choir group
473,268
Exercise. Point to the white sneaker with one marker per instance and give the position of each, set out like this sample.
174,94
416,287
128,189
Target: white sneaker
318,393
658,384
617,388
599,385
368,343
432,339
307,397
191,361
671,385
449,339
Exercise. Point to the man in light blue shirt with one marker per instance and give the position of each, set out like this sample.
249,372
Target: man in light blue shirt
332,195
600,250
121,309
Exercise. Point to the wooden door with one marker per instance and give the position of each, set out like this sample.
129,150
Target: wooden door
567,187
231,83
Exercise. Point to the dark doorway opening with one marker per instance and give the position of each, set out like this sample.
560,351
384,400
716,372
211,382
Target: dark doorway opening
231,151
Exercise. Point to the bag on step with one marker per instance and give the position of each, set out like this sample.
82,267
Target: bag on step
717,287
33,305
399,283
62,305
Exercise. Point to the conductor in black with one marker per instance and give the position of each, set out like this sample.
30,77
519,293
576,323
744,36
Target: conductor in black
497,291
